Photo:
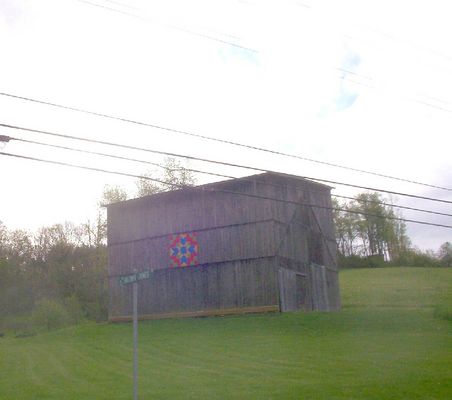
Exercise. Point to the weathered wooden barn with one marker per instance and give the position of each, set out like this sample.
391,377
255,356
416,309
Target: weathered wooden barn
257,244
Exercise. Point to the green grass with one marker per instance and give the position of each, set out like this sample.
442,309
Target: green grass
388,342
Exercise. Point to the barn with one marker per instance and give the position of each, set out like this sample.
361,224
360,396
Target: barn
262,243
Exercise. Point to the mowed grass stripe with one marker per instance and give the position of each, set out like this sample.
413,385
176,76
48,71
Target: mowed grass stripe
396,287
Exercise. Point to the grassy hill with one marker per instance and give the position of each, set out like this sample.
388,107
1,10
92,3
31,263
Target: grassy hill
392,340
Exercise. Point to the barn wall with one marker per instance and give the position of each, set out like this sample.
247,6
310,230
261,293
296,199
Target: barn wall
318,278
332,277
322,222
250,284
309,241
293,242
218,244
294,290
182,211
199,209
324,288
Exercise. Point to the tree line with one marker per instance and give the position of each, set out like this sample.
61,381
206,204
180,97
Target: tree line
369,233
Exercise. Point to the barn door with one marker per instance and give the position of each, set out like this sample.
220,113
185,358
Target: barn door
292,290
301,288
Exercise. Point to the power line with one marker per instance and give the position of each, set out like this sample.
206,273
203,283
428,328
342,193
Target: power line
341,69
420,48
7,138
207,189
413,99
122,4
186,30
56,146
170,25
224,141
222,163
256,51
175,27
392,205
401,96
402,41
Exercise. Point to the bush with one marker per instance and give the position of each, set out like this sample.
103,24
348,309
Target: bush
417,258
74,309
95,311
18,323
361,262
50,314
443,312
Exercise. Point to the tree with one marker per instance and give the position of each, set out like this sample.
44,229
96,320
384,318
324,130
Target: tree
16,249
445,254
174,173
346,229
112,194
146,187
97,234
366,227
3,238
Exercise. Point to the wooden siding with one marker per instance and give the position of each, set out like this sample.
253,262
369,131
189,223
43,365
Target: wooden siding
200,313
325,288
294,291
239,284
196,209
218,244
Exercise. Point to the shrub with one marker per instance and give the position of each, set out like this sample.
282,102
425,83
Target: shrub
17,323
74,309
95,311
361,262
50,314
443,312
417,258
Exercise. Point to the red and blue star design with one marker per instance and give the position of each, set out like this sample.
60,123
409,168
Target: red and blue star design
183,250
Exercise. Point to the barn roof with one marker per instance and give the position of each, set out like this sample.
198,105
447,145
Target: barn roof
270,178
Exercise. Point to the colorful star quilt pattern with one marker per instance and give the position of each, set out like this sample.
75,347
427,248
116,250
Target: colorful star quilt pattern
183,250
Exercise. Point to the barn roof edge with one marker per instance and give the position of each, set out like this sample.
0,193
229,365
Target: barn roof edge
228,182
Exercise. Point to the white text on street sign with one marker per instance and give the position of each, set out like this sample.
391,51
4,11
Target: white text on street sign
139,276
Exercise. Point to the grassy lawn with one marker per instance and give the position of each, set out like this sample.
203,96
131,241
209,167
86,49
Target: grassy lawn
392,340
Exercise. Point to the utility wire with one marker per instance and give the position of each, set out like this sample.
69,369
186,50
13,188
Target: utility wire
178,28
222,163
402,42
224,141
340,69
56,146
126,5
256,51
122,4
206,188
391,205
7,138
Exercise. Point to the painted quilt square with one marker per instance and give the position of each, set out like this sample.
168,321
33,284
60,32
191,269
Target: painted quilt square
183,250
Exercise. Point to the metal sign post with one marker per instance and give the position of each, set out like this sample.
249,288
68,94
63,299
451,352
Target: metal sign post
135,340
126,280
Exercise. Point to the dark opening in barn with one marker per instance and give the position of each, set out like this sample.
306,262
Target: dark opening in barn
261,243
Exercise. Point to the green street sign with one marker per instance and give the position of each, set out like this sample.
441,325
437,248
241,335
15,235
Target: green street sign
144,275
131,278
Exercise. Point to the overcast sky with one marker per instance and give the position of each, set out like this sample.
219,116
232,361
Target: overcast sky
363,84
